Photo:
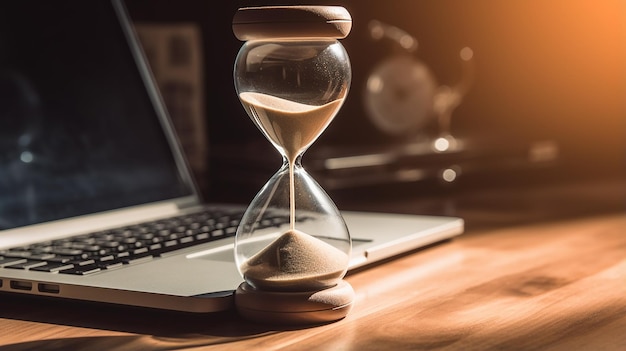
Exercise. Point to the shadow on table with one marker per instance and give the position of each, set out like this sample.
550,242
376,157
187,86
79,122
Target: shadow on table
155,329
114,343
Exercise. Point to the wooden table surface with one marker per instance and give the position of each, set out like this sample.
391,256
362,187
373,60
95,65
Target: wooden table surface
555,284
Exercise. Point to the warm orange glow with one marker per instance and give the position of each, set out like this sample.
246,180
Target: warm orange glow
544,68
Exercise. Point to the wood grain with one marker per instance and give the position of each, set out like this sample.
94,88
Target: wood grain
558,285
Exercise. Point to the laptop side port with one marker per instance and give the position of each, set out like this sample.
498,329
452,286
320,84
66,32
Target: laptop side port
21,285
48,288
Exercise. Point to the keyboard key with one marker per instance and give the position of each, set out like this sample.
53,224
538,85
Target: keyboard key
186,240
137,259
60,259
83,262
41,256
107,258
203,236
82,270
52,267
140,251
218,233
27,264
21,253
7,261
67,252
109,264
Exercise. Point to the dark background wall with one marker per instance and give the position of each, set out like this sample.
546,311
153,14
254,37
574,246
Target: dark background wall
544,71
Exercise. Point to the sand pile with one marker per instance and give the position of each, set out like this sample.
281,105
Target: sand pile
295,261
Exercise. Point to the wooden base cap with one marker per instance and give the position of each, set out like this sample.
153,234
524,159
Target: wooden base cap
295,308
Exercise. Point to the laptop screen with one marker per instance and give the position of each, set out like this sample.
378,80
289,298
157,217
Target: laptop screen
79,132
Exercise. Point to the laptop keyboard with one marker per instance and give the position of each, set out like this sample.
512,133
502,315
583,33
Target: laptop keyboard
94,252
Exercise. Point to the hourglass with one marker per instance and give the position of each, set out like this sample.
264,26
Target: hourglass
292,247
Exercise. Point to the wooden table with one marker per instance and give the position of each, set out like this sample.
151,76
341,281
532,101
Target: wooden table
555,284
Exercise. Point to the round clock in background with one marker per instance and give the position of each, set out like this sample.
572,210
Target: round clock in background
399,96
399,91
402,97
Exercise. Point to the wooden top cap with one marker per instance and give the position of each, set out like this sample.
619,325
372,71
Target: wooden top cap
266,22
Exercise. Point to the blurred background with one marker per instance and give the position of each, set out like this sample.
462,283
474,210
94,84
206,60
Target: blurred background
479,108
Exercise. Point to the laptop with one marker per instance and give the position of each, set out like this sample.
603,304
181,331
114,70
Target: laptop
97,199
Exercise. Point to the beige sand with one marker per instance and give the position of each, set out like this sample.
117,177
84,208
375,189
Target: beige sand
295,261
289,124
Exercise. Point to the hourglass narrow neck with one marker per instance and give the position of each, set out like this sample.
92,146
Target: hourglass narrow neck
296,162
